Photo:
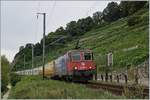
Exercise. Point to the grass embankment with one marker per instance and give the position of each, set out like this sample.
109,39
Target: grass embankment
33,87
128,43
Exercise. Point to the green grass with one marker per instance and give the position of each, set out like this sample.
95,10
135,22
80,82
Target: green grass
33,87
115,36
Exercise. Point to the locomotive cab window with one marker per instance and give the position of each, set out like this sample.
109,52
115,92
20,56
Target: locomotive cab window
75,56
87,56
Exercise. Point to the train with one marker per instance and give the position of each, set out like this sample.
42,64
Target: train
73,65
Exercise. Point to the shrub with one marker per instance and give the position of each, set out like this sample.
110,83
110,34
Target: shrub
139,59
14,78
133,20
4,73
136,93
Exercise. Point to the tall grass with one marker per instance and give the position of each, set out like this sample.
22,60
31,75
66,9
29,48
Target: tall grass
33,87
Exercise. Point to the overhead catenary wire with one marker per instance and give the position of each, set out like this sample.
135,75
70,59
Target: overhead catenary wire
52,43
50,21
90,8
52,10
37,22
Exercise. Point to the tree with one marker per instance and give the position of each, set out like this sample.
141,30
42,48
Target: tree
84,25
130,7
88,23
4,73
124,8
38,49
60,31
21,48
111,12
28,45
135,6
72,28
97,17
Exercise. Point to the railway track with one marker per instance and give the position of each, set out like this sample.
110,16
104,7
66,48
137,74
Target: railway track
118,89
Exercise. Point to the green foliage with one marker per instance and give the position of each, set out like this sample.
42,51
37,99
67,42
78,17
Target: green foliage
60,31
14,78
136,93
37,49
130,7
4,73
71,28
111,12
21,48
133,20
98,18
81,26
33,87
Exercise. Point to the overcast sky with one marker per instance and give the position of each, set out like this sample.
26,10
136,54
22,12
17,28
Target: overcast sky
19,23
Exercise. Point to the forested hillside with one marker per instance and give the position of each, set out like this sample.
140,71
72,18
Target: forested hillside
121,28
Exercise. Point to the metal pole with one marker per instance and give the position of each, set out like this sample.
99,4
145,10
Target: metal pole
44,28
106,70
32,58
24,63
44,44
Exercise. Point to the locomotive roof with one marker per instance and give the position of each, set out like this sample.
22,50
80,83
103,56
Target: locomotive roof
80,50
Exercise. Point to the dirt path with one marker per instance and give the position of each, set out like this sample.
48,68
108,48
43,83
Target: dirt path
7,93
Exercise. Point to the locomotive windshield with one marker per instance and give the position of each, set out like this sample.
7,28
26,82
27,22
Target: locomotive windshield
75,55
87,56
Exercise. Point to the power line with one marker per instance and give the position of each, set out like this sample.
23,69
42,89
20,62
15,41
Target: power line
52,43
50,22
37,23
53,7
90,9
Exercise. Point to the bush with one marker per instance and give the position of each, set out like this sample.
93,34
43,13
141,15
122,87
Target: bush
3,86
139,59
133,20
14,78
4,73
136,93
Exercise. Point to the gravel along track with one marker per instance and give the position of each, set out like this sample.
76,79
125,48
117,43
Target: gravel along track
116,89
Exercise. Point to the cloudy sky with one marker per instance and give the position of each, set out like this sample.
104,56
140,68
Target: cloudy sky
19,23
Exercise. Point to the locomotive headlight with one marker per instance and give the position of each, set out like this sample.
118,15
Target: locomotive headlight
90,67
75,67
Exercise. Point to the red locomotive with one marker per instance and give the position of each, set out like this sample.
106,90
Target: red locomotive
75,65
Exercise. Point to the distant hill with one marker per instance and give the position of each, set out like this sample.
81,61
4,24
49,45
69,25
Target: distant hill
127,38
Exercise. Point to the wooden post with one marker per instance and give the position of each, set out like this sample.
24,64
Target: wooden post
106,76
109,65
126,80
96,74
102,77
136,79
111,78
117,79
136,76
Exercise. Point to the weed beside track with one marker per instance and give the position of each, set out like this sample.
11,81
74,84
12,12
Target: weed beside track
135,91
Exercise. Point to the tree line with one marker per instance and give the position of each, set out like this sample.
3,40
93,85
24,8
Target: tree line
112,12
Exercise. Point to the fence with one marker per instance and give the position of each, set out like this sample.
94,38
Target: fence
135,75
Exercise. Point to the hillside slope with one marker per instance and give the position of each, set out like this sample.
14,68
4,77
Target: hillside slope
128,43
